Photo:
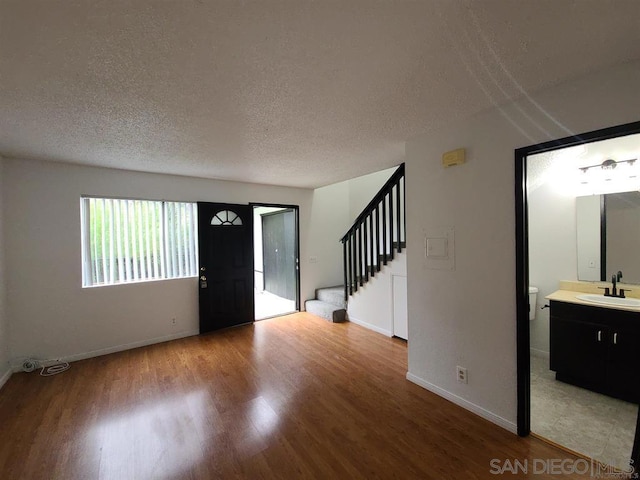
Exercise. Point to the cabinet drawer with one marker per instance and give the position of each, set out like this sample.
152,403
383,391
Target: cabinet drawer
599,315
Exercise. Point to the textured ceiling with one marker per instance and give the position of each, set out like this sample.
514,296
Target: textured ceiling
300,93
563,165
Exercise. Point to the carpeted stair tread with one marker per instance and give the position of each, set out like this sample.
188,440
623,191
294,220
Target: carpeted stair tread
326,310
332,295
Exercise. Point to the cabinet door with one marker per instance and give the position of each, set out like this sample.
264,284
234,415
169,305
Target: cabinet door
623,365
578,352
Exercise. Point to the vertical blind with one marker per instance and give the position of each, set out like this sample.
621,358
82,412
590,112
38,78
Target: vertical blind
137,240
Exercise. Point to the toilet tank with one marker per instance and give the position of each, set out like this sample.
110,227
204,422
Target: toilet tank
533,295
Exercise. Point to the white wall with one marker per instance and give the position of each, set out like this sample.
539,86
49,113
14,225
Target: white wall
50,314
467,316
552,251
372,305
5,371
334,208
588,237
328,223
362,190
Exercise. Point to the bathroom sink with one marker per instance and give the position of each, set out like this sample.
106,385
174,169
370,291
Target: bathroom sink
601,299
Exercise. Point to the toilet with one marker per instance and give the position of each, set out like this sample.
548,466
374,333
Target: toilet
533,294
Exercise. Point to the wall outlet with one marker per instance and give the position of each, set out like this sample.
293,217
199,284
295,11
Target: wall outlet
461,374
173,321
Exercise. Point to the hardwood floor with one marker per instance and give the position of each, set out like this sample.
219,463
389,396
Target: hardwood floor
291,397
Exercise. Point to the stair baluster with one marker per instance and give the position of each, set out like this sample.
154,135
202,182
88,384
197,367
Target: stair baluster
378,249
391,229
376,233
371,249
398,224
354,247
384,229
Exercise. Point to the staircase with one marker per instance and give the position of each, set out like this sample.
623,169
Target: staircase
329,304
376,235
373,240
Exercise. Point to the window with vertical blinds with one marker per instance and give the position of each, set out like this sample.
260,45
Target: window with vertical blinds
137,240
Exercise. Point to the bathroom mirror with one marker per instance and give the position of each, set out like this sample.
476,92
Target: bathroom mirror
608,236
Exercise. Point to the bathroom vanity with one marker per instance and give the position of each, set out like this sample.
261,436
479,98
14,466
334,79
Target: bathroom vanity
595,346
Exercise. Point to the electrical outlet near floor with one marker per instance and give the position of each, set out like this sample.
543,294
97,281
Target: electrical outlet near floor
173,321
461,374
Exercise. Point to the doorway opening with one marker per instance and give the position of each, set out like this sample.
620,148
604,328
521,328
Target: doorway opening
556,400
276,260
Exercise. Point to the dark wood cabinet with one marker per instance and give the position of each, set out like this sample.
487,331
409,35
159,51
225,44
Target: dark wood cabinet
596,348
623,363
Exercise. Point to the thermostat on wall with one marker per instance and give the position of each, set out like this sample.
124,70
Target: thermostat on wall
454,157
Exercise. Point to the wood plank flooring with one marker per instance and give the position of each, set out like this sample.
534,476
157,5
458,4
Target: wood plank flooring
291,397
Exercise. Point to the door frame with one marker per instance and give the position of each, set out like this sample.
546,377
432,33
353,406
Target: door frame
264,264
296,212
522,258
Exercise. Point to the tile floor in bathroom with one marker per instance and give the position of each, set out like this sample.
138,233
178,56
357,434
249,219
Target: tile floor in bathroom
595,425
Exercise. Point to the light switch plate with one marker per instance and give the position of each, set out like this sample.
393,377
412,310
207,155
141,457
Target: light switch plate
439,248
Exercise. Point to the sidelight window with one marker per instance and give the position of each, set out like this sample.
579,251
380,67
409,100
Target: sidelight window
126,241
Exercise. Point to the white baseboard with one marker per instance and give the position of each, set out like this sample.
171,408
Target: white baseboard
370,326
6,375
467,405
538,353
120,348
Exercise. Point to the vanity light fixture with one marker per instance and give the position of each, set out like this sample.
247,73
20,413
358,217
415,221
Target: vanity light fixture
606,170
608,164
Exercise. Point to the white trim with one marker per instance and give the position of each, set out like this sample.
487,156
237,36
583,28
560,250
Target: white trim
120,348
467,405
534,352
383,331
6,376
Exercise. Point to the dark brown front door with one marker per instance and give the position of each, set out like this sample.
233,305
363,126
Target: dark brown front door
225,241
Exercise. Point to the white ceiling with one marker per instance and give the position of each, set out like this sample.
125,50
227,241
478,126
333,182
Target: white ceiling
300,93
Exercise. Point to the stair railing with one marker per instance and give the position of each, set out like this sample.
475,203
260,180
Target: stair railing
376,233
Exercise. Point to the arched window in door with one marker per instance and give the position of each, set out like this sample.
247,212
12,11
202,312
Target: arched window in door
226,218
